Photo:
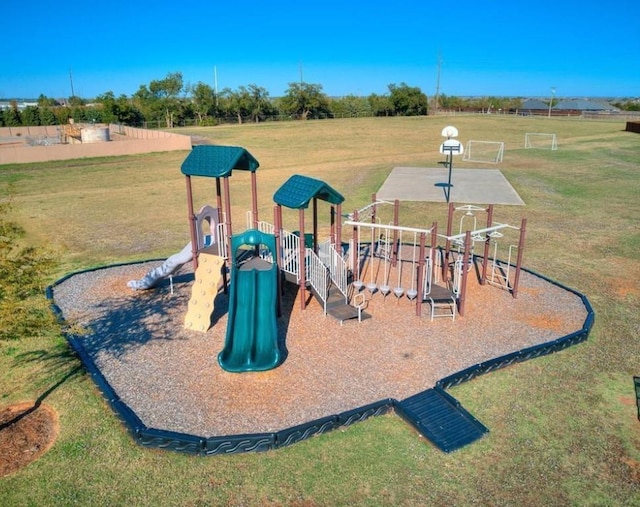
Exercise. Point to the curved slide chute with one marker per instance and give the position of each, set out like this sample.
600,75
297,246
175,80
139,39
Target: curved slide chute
168,267
207,216
251,342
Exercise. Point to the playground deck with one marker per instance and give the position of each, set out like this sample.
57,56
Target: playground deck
170,378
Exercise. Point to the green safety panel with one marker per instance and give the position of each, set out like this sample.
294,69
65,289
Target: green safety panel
297,192
217,161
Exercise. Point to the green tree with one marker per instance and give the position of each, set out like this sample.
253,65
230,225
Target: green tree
204,101
236,103
166,91
260,105
305,100
44,101
31,116
144,101
351,106
381,105
23,271
110,109
11,117
47,117
75,101
408,100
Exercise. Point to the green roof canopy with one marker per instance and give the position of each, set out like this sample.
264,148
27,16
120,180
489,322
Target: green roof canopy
217,161
298,190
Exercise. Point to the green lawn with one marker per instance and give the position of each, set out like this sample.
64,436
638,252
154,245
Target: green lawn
563,428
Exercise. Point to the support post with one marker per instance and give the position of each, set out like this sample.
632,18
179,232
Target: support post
465,262
516,280
254,199
301,262
339,230
278,256
487,244
192,225
447,245
420,295
394,250
315,225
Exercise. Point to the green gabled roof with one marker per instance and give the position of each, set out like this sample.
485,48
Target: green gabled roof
298,190
217,161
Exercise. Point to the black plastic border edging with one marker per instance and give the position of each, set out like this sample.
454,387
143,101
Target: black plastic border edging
636,383
232,444
541,349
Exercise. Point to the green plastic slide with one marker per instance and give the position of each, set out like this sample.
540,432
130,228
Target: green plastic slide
251,342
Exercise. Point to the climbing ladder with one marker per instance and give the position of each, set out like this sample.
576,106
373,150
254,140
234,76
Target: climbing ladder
203,292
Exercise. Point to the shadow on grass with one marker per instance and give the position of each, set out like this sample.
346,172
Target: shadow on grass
61,363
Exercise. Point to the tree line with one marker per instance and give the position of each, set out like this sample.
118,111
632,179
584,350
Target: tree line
170,102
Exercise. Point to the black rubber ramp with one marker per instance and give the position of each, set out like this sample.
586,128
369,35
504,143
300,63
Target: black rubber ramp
439,417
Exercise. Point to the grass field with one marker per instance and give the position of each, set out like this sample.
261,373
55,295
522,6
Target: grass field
563,428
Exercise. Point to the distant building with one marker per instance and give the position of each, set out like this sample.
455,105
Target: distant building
533,106
580,106
6,104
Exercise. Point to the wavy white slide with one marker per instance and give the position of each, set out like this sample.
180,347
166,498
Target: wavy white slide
168,267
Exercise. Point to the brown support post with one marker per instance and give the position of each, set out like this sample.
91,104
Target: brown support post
192,224
465,262
332,220
374,208
356,249
339,230
301,261
315,225
420,295
394,250
277,254
434,244
516,280
254,199
218,198
447,245
487,244
227,217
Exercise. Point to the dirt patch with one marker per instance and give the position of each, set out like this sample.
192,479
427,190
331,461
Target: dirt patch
27,431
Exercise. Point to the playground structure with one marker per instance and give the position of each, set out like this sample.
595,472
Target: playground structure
382,266
380,259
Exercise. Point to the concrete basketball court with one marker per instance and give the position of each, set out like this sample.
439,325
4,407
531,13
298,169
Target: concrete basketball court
470,186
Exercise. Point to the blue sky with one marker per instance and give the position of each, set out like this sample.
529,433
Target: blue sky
503,48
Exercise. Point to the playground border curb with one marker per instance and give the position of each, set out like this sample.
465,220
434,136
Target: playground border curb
258,442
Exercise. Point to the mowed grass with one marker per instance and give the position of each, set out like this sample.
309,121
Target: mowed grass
563,428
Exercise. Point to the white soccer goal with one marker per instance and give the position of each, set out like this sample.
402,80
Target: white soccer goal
490,152
542,141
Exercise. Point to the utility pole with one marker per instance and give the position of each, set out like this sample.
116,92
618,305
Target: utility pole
215,82
435,105
71,81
